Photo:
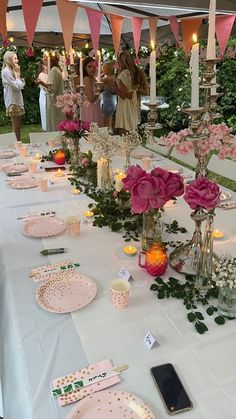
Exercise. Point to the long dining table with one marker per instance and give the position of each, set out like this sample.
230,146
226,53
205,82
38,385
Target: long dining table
37,346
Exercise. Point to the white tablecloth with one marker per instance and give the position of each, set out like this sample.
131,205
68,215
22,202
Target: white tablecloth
37,346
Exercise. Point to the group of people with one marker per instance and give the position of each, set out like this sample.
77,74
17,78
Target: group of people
118,96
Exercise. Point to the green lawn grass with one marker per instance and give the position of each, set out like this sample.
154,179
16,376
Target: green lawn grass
25,130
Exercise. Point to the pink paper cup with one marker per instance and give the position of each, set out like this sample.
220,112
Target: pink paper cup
43,185
23,151
119,293
73,225
32,167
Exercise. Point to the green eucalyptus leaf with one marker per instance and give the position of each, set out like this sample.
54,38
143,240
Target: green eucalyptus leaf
220,320
199,315
200,327
210,311
191,317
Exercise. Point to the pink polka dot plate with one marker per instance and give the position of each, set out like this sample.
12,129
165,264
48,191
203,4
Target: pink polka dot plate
44,227
22,183
70,291
111,404
14,168
7,154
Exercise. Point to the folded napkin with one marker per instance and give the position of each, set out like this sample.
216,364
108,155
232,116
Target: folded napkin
79,394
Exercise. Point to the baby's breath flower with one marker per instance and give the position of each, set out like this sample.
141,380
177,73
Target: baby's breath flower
224,274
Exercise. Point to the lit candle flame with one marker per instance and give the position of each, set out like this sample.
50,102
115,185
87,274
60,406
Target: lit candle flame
195,38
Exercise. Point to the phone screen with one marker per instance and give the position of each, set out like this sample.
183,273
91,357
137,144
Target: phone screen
171,388
54,169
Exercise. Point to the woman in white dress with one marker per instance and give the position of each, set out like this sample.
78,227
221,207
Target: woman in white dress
43,76
126,88
13,85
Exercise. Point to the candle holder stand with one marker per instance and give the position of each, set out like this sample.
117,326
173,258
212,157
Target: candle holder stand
188,258
152,119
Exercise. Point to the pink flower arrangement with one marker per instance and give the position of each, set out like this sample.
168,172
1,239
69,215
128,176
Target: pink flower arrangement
73,128
219,139
202,193
69,104
151,190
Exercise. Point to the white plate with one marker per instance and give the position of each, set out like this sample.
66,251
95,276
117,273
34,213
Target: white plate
70,291
139,154
225,196
44,227
111,405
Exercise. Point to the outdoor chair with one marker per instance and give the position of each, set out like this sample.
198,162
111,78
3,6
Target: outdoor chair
42,137
225,168
7,139
188,158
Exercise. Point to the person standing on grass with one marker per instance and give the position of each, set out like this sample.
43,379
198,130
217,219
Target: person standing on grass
12,91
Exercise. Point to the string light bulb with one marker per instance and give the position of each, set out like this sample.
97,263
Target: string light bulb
87,45
11,39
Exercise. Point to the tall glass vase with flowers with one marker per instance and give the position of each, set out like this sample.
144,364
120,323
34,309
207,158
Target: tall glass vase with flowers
149,192
127,143
72,126
196,256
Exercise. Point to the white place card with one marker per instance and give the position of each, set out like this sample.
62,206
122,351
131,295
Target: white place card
150,340
125,274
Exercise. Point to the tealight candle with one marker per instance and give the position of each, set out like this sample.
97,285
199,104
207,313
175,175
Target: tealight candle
59,173
88,214
130,250
217,234
75,191
118,183
37,156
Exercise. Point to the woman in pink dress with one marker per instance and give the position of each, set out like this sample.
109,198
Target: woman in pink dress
91,111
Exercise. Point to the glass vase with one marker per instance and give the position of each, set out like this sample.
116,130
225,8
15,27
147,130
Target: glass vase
227,301
204,269
127,162
185,258
74,147
152,228
104,175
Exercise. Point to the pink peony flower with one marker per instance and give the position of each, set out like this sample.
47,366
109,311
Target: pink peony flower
173,182
202,193
134,173
85,126
148,192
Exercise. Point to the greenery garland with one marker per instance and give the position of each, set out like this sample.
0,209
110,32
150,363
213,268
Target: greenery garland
192,298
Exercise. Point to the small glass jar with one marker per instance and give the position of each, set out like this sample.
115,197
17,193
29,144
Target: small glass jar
227,301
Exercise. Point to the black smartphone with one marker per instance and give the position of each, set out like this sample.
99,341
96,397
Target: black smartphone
171,389
54,169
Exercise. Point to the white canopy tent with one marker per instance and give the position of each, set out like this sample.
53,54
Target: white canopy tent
48,30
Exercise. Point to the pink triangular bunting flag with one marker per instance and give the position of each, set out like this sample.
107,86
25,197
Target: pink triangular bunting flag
224,25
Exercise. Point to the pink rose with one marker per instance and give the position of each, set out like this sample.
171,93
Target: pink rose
134,173
174,184
148,192
202,193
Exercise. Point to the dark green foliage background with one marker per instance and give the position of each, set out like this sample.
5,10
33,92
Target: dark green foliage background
173,82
